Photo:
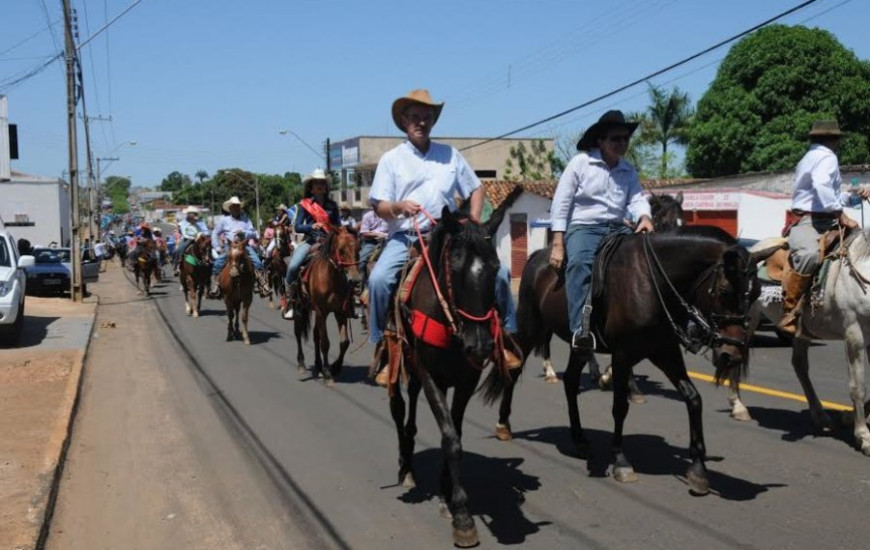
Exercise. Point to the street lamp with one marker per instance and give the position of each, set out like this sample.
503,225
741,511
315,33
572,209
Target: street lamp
310,148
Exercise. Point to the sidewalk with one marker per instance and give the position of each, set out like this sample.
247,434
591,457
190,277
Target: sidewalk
39,385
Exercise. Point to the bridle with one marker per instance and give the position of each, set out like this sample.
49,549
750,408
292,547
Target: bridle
702,330
454,314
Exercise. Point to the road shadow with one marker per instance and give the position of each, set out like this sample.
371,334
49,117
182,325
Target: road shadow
649,455
262,336
496,489
796,425
33,332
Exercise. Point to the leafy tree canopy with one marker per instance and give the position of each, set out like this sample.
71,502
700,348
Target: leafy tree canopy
769,89
532,163
175,181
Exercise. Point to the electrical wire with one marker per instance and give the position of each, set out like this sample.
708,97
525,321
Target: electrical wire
650,76
29,38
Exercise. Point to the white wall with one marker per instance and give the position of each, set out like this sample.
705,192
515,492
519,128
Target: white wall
40,201
759,217
535,207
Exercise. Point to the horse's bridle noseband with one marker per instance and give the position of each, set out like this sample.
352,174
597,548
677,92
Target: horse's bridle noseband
702,330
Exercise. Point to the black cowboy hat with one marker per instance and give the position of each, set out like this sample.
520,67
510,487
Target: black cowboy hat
610,119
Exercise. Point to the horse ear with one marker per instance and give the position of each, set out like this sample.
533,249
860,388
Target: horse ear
679,198
450,222
492,224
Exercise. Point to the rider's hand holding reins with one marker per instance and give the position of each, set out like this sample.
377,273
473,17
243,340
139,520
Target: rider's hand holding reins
645,224
407,208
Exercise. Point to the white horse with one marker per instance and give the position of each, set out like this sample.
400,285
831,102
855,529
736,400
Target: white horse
843,314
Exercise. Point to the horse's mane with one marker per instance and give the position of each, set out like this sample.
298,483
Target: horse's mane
696,233
328,241
471,235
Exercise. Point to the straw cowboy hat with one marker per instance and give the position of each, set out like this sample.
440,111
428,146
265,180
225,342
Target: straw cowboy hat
157,230
317,175
232,200
282,206
190,210
828,128
610,119
344,206
418,97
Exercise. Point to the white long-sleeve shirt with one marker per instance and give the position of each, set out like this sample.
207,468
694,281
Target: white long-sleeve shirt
817,183
590,192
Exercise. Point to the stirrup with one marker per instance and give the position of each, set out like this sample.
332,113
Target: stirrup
583,340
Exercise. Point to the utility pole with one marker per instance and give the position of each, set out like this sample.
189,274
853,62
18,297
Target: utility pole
75,246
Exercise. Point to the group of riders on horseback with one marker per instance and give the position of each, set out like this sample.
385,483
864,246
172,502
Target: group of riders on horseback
597,286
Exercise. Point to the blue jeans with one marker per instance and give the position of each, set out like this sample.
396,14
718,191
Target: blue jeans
219,264
383,281
296,260
581,247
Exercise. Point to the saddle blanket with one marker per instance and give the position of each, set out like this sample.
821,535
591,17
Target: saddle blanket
770,294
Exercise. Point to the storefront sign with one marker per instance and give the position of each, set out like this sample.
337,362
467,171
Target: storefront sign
710,201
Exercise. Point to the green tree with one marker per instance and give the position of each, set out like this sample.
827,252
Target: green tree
201,175
767,92
174,182
668,121
117,189
532,164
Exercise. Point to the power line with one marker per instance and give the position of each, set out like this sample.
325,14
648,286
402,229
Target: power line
649,76
29,38
94,74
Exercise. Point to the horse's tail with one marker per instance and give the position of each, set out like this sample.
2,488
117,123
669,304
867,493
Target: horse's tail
530,335
302,317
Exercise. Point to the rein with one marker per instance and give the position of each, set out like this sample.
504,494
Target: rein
700,332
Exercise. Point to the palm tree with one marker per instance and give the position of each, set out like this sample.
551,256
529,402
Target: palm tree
201,175
669,118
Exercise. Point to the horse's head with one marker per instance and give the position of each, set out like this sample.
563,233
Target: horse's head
733,289
202,247
467,265
341,246
667,211
237,258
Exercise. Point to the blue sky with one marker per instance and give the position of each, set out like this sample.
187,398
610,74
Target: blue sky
207,84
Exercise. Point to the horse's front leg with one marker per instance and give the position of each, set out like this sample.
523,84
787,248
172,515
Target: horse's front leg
301,368
231,335
855,351
738,409
549,374
464,531
503,426
406,431
621,369
246,304
139,290
571,384
801,364
670,361
343,344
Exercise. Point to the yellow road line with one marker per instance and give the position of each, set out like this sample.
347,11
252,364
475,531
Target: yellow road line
773,393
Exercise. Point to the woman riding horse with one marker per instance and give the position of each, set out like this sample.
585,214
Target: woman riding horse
319,215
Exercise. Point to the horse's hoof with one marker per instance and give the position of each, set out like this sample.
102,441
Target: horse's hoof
503,432
551,379
637,398
196,314
604,383
329,382
865,448
741,415
698,484
584,450
466,538
408,481
625,474
140,293
302,370
247,341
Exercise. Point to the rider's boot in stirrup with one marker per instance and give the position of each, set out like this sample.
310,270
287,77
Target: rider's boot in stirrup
794,286
214,291
291,299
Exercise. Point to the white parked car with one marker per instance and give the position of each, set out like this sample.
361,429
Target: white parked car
12,288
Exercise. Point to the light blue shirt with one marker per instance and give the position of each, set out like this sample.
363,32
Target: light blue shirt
817,183
229,226
590,192
432,180
191,230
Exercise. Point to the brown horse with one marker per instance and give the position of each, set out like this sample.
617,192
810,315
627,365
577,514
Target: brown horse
328,287
237,289
144,264
276,266
194,272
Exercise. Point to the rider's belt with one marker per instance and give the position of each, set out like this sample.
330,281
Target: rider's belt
817,216
370,240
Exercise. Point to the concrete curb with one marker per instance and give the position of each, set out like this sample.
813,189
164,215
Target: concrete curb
42,505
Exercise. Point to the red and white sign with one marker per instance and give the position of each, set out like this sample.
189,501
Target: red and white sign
710,201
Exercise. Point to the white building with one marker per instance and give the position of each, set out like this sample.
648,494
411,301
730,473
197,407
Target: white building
36,208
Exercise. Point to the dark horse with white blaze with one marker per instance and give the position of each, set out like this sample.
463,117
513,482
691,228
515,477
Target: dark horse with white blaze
691,286
465,265
329,287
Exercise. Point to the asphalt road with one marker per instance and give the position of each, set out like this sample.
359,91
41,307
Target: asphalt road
332,453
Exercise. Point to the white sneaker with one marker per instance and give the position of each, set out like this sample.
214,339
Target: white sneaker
289,314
